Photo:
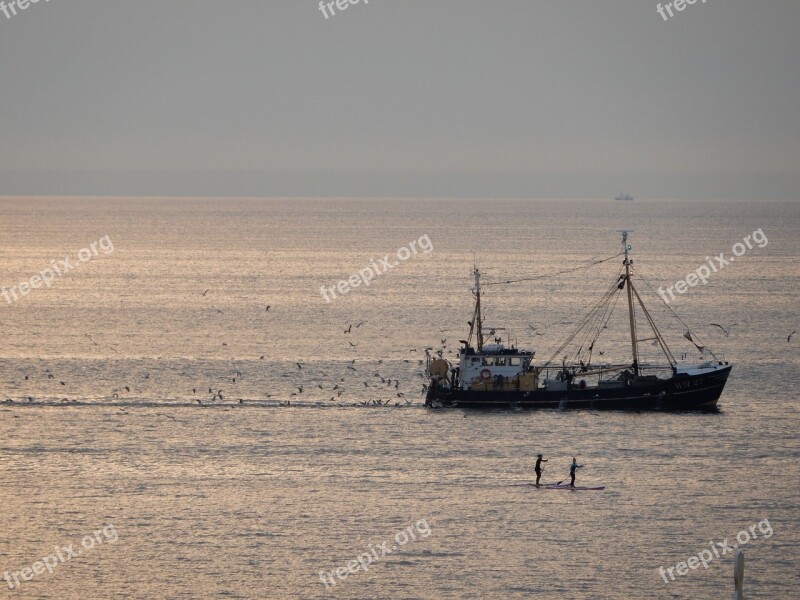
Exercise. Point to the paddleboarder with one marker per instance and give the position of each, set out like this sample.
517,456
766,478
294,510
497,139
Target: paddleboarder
573,467
538,469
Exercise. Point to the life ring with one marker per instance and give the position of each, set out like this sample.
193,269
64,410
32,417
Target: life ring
486,374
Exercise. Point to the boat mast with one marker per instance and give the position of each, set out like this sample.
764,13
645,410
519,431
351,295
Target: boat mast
477,324
627,263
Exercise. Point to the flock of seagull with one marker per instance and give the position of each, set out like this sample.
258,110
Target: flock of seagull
377,383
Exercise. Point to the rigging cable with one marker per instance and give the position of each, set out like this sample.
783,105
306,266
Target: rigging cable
691,337
570,270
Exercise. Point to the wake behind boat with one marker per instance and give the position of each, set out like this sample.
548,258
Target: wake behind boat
494,376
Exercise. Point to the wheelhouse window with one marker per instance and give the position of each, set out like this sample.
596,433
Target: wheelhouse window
488,361
515,362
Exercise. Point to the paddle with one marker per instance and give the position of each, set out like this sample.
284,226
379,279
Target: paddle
567,477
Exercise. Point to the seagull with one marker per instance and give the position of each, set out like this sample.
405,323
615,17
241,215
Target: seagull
300,388
360,324
789,339
204,293
268,307
351,367
349,328
168,416
261,357
727,331
299,366
352,345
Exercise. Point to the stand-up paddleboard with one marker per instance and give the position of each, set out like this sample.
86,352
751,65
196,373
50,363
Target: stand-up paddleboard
577,488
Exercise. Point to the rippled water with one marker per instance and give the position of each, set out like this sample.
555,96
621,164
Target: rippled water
217,498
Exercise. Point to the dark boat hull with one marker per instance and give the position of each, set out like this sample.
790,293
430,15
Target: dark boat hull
698,392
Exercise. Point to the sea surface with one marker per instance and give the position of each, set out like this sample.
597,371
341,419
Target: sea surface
184,395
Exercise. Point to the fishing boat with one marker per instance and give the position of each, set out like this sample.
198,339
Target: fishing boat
501,376
624,197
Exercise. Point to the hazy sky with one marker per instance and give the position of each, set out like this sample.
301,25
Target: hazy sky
529,98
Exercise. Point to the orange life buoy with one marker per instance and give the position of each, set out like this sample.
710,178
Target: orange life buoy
486,374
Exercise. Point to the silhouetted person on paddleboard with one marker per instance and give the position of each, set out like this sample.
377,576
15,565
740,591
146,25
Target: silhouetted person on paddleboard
538,469
573,467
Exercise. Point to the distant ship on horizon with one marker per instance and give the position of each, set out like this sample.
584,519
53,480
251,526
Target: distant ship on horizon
624,197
